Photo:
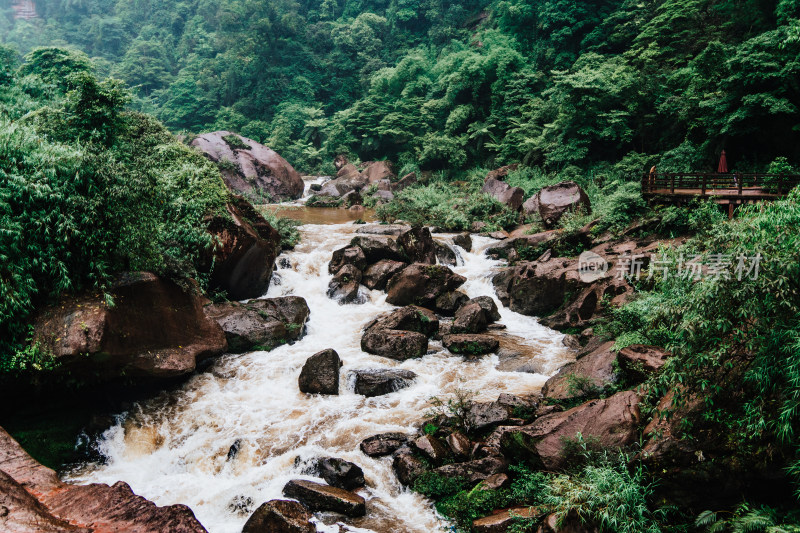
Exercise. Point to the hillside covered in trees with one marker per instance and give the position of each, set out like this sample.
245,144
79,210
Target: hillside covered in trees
445,85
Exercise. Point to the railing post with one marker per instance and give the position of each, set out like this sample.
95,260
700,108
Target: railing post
780,184
705,177
672,185
739,177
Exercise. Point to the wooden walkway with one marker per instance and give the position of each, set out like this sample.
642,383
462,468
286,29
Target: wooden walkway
724,189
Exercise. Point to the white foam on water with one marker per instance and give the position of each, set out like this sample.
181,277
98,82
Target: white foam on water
174,449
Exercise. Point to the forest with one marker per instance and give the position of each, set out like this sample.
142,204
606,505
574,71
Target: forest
573,87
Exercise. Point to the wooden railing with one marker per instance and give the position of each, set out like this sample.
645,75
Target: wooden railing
723,186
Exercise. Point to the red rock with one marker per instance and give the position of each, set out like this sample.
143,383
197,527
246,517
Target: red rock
280,516
245,251
589,375
613,422
259,170
53,506
155,329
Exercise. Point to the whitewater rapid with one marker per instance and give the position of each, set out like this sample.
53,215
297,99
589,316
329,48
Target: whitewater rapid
175,449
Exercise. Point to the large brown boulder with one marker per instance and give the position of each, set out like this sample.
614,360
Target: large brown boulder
378,275
554,201
320,373
410,318
474,471
345,286
475,316
611,424
504,193
383,444
319,497
585,378
244,253
377,382
421,285
375,171
33,499
639,361
280,516
349,255
154,329
378,247
418,245
250,168
470,344
260,324
503,521
340,473
395,344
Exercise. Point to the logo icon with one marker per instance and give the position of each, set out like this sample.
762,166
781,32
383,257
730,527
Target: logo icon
591,267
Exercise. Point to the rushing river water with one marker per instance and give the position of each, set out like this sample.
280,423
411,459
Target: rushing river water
174,449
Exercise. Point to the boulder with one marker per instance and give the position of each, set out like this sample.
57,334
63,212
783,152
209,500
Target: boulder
611,423
586,378
320,498
463,344
320,374
448,303
258,171
406,181
395,344
408,468
340,473
459,444
501,173
474,471
418,245
422,284
34,500
464,240
409,318
349,255
475,315
536,288
345,286
432,448
375,171
556,200
378,275
504,193
383,197
260,324
531,206
640,362
155,329
383,444
488,414
280,516
244,253
375,382
378,247
445,255
504,520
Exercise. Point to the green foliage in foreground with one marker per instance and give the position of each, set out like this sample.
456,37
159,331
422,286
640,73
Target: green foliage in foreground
603,492
448,206
88,189
722,323
749,519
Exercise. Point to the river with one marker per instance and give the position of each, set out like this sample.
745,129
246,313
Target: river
174,449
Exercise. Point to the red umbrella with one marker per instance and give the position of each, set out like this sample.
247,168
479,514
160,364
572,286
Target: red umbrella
723,164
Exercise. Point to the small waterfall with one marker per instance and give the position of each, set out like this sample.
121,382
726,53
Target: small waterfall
175,449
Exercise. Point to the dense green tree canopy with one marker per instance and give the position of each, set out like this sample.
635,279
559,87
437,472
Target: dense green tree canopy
450,85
